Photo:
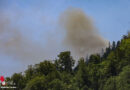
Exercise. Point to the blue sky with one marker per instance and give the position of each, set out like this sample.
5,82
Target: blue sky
111,17
37,18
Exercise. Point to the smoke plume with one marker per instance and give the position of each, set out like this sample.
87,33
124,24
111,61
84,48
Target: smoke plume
20,47
14,43
81,36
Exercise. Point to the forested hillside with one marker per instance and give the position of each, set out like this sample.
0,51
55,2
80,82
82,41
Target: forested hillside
110,71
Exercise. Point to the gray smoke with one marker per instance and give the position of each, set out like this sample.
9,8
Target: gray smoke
81,36
20,47
14,43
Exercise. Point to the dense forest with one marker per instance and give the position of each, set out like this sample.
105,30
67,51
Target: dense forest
109,71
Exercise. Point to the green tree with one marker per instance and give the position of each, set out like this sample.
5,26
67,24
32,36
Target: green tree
113,45
45,67
82,76
37,83
53,75
30,72
66,61
94,58
111,84
19,80
123,80
57,84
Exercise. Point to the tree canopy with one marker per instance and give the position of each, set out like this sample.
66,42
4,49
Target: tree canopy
110,71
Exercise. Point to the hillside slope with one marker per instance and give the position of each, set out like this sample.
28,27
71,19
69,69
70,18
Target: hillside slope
108,72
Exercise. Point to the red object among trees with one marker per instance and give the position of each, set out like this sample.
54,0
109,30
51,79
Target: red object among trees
2,78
